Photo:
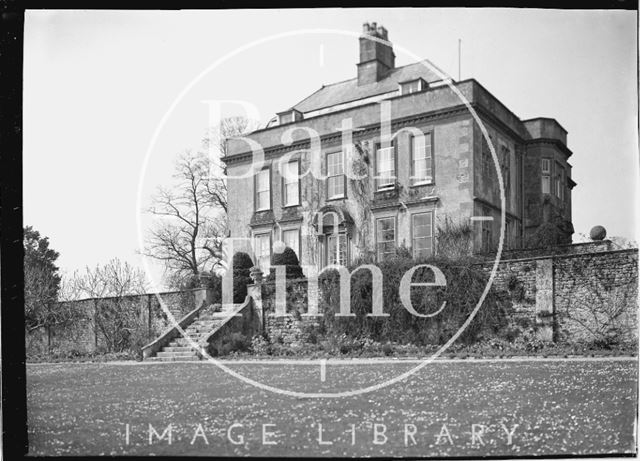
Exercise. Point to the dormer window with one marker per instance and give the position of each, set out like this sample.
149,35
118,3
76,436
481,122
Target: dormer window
412,86
289,116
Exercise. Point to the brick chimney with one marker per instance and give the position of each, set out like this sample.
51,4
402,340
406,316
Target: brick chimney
376,58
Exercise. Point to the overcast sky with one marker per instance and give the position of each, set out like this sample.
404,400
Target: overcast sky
98,83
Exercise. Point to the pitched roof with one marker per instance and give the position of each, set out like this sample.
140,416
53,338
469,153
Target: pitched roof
348,90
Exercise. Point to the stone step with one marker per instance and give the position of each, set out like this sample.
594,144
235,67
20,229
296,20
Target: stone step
215,317
185,342
174,359
178,349
193,333
177,354
193,330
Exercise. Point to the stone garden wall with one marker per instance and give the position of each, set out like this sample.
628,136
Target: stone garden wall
142,315
294,328
596,292
574,296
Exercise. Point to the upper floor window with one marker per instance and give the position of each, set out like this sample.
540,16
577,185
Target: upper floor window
291,184
262,250
285,118
505,169
422,234
559,181
289,116
412,86
545,167
386,237
385,166
263,190
486,157
335,175
421,159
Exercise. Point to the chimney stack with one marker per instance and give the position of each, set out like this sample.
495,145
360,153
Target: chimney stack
376,57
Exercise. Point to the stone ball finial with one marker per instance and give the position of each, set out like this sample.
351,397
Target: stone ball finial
256,274
597,233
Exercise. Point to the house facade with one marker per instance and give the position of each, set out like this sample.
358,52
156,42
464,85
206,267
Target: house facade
383,160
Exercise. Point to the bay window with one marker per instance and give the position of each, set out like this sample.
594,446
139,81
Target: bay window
546,175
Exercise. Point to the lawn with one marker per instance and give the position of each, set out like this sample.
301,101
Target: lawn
559,407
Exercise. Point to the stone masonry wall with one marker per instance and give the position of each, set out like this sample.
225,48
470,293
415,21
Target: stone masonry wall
145,316
596,295
292,329
573,297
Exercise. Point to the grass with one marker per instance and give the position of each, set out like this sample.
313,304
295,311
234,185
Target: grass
560,407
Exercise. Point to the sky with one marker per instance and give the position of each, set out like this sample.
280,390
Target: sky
112,97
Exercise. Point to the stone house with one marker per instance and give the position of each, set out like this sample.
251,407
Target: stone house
363,166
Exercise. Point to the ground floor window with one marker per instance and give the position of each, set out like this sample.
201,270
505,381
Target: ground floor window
336,249
422,234
386,237
262,250
487,232
291,238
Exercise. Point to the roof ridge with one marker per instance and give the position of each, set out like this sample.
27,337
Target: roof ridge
391,73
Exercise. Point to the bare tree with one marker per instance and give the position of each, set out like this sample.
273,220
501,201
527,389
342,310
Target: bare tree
193,210
189,236
117,314
215,145
602,303
114,279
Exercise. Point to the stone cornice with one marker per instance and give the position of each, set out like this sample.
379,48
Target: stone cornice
358,134
495,207
363,132
555,142
481,110
423,201
290,219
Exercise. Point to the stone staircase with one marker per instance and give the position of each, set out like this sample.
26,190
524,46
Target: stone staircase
209,320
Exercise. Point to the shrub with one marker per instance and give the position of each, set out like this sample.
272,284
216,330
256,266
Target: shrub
260,345
550,234
213,282
455,239
515,287
241,265
465,285
235,342
289,260
387,349
241,261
